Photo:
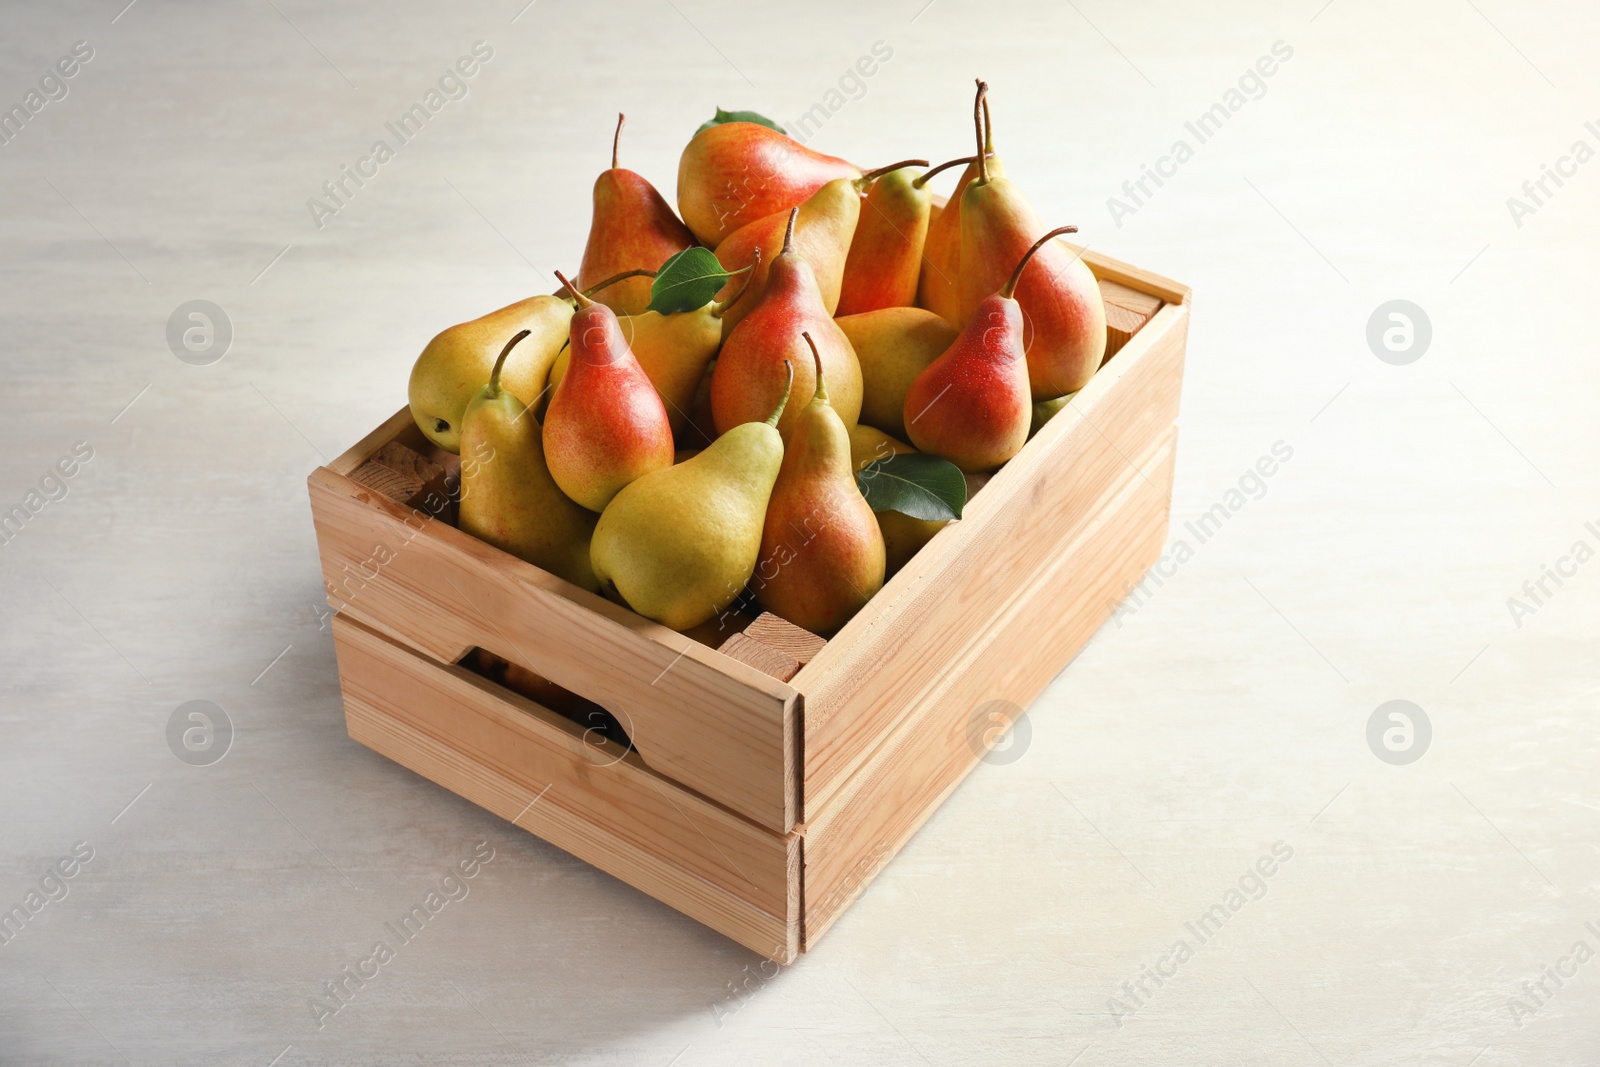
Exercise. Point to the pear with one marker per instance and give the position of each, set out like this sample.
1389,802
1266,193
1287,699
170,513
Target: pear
606,425
868,444
822,233
1064,316
885,258
702,428
633,228
674,351
903,536
750,368
939,288
821,550
893,345
679,545
737,172
456,363
972,405
507,495
1045,410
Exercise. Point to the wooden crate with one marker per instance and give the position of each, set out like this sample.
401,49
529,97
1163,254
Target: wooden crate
758,806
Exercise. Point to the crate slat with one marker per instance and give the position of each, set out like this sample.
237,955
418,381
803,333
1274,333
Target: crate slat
717,726
903,782
863,684
528,765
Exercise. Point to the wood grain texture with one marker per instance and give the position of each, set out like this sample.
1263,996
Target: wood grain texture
714,725
381,478
865,682
786,637
1121,325
1128,298
529,765
761,656
912,772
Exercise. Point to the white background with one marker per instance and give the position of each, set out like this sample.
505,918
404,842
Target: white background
1227,714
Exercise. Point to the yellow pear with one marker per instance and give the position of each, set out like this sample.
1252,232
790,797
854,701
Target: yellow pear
893,346
508,497
679,545
456,363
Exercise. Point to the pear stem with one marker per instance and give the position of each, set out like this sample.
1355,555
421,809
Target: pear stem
788,234
615,278
1016,275
749,276
499,364
583,301
977,127
881,171
821,392
783,401
616,137
922,179
988,130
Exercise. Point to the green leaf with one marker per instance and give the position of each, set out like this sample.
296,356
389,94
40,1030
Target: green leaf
923,487
687,281
759,119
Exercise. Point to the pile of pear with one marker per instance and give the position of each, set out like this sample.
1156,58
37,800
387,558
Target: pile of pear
687,462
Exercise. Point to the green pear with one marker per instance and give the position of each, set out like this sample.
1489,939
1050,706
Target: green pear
454,366
679,545
893,346
1045,410
508,497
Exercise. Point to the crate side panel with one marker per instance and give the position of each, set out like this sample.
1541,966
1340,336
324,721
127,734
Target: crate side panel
712,724
863,684
907,779
500,753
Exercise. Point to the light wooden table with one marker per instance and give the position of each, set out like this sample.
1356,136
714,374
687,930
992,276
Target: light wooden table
1227,713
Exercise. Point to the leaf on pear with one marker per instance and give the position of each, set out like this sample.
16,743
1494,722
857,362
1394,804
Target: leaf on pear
759,119
921,486
687,281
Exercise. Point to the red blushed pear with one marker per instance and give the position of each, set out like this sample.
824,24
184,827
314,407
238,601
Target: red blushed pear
1064,317
972,405
822,554
938,287
738,172
749,374
822,234
633,228
885,258
606,425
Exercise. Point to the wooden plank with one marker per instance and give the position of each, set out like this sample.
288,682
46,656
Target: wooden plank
865,682
1129,299
529,765
380,478
1115,270
762,657
1121,325
714,725
913,772
786,637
